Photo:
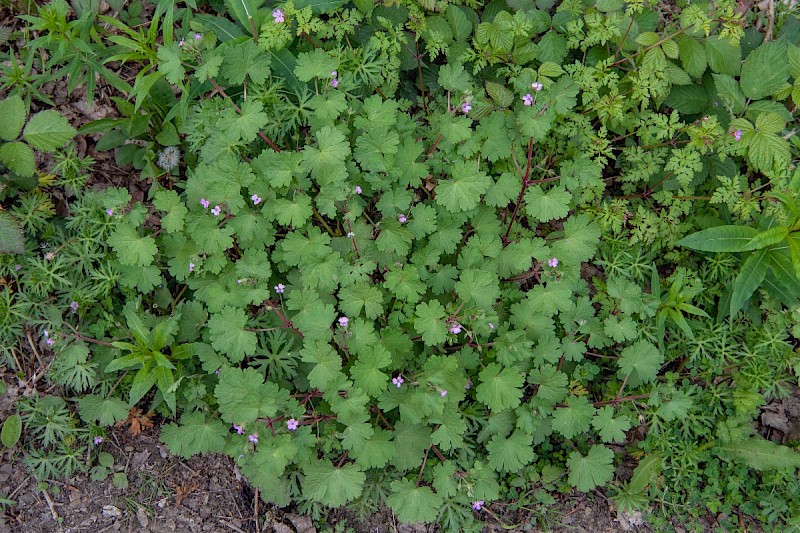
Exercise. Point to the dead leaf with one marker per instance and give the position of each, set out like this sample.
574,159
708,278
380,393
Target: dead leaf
137,421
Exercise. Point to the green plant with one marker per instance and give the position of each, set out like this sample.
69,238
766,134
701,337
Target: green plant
105,467
412,254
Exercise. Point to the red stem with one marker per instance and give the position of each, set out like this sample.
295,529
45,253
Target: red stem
525,183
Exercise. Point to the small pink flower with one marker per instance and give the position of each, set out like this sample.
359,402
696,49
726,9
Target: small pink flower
468,385
205,203
398,381
180,43
334,83
491,326
443,393
553,263
466,108
191,266
455,328
197,36
527,99
334,74
17,268
277,15
536,86
402,219
253,438
110,212
358,189
50,342
98,440
477,505
239,429
343,321
256,199
292,424
74,307
279,288
216,211
737,135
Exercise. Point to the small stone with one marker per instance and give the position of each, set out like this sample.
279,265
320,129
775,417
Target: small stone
110,511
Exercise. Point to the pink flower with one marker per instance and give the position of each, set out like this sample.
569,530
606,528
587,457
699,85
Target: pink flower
466,108
491,326
737,135
468,385
180,43
358,189
50,342
191,266
256,199
343,321
197,36
334,83
402,219
239,429
455,328
292,424
277,15
334,74
477,505
205,203
98,440
536,86
110,212
398,381
74,307
279,288
443,393
216,211
553,262
527,99
253,438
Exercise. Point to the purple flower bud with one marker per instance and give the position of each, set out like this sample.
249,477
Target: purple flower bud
527,99
98,440
402,219
50,342
334,74
17,268
197,36
553,263
443,393
334,83
74,307
466,108
191,266
455,328
737,135
180,43
277,15
358,189
279,288
205,203
239,429
216,211
110,212
491,326
477,505
292,424
343,321
253,438
468,385
256,199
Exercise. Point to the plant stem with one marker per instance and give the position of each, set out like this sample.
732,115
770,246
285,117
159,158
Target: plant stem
525,183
